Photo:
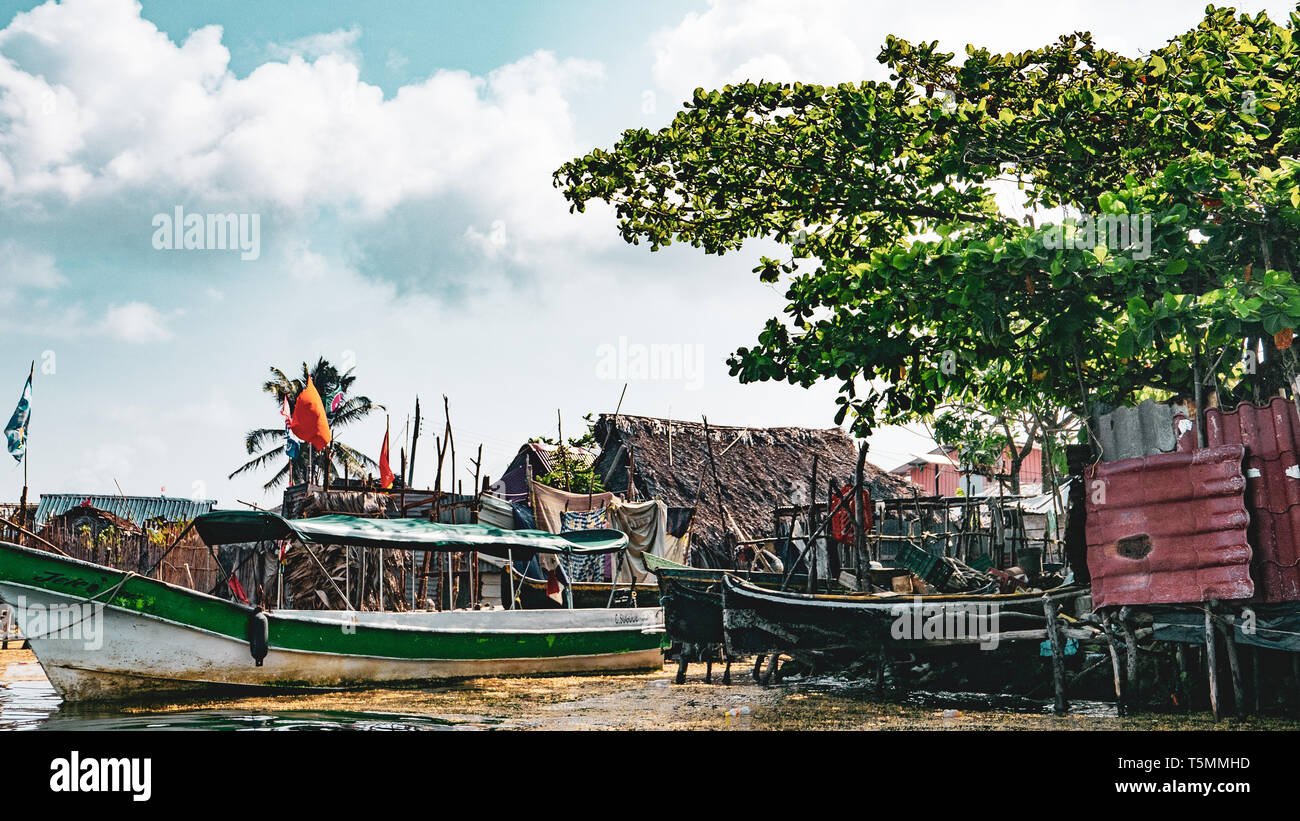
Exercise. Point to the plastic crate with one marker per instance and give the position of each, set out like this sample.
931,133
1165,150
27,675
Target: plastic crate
933,569
981,562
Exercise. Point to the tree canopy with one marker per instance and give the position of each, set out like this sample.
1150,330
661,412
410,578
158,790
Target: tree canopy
907,282
269,443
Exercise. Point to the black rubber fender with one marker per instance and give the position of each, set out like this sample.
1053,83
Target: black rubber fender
259,633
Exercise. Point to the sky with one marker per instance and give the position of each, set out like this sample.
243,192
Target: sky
396,160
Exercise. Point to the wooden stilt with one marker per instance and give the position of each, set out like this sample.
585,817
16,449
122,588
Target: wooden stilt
682,664
1255,655
1058,656
1211,661
1117,668
758,667
1238,691
1134,689
771,668
1180,653
1295,673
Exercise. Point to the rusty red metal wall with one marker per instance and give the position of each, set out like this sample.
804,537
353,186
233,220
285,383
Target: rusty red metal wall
1270,435
1169,528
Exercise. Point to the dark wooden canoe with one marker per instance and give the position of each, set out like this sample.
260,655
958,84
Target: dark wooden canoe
692,599
532,594
762,621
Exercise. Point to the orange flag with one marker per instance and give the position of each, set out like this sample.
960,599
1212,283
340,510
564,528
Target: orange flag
309,423
385,472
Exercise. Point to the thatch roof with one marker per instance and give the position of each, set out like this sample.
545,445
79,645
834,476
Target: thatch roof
760,469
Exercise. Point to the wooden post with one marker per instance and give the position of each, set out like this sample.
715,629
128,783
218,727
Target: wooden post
1131,651
1255,654
812,528
717,483
1211,660
860,509
1238,693
1180,655
415,440
1058,656
1116,667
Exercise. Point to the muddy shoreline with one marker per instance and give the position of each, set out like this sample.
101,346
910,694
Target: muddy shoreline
646,701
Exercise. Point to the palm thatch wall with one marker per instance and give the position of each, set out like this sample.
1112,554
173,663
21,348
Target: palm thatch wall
759,469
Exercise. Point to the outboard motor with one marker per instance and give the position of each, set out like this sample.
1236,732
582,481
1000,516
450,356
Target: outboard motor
259,632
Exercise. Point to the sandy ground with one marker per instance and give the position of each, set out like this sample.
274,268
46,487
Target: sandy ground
650,701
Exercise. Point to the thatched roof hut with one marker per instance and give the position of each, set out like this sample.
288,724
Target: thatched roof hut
759,469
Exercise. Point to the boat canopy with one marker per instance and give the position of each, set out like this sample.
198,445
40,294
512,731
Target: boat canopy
235,526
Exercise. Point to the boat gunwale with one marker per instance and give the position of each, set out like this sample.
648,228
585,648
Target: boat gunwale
281,615
870,601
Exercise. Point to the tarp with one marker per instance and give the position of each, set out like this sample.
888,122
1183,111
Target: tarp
646,525
1273,626
234,526
550,504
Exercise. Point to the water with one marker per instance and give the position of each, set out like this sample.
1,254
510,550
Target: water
28,701
646,701
949,700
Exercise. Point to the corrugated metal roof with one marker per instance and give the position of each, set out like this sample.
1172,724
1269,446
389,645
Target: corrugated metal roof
138,509
1169,528
549,455
1270,435
1148,429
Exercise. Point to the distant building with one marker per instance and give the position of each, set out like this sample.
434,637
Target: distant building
937,472
140,511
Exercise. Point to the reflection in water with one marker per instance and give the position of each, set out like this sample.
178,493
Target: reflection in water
942,699
25,705
28,701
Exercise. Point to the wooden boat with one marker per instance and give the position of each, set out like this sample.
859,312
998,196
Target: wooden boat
692,597
106,634
758,620
531,594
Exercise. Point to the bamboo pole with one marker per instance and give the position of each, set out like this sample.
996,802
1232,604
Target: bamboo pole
415,440
27,532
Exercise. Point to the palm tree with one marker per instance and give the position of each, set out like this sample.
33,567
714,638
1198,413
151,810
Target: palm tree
328,382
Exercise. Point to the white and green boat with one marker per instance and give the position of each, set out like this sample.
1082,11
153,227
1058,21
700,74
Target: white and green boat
107,634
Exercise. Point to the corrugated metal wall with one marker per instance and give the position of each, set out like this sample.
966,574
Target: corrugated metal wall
1169,528
1270,435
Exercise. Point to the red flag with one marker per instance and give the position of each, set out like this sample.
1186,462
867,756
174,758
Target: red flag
232,582
309,423
385,472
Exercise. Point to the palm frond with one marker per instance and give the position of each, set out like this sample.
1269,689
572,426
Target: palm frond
259,460
256,439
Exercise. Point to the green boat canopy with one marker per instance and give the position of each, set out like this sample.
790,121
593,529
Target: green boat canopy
235,526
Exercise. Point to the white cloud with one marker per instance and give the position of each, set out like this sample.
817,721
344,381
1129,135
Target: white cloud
338,43
97,103
22,269
135,322
837,41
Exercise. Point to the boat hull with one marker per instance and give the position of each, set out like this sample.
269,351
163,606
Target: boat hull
102,637
692,600
759,621
532,594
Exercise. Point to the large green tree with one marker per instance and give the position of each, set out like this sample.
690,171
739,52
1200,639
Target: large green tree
910,286
269,443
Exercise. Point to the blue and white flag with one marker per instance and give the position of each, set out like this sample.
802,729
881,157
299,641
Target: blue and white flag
16,430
